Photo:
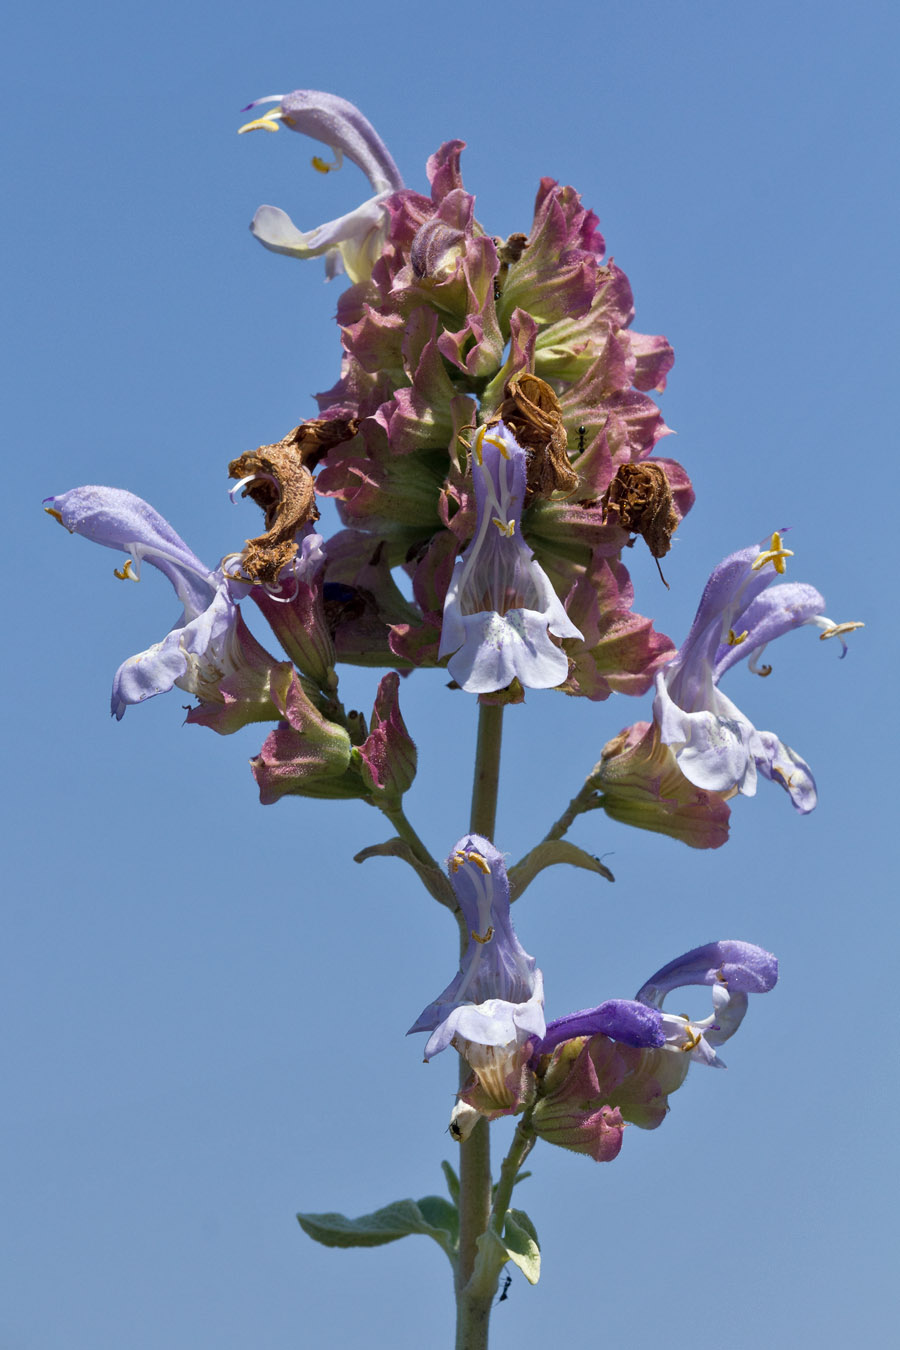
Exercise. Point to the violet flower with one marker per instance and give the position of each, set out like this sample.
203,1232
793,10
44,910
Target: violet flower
208,644
353,242
716,747
734,969
493,1009
501,607
617,1064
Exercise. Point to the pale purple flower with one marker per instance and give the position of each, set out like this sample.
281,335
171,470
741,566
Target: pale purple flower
205,645
494,1007
716,746
353,242
733,969
501,606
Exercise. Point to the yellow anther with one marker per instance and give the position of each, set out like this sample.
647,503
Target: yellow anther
694,1037
735,639
479,441
762,671
492,440
323,165
268,122
508,529
473,856
487,937
720,978
456,861
836,629
774,554
126,573
51,511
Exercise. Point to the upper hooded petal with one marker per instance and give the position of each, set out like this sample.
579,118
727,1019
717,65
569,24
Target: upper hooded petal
120,520
741,966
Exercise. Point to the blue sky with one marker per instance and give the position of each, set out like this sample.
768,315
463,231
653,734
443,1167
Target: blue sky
205,1001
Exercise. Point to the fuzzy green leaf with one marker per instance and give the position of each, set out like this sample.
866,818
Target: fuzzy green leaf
452,1181
398,1220
522,1244
547,854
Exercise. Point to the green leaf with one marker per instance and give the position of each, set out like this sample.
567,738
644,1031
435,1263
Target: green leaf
547,854
452,1181
522,1244
398,1220
440,1213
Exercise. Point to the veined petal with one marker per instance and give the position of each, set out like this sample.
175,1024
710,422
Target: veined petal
119,520
357,237
501,607
498,648
714,747
782,765
770,615
495,1022
339,124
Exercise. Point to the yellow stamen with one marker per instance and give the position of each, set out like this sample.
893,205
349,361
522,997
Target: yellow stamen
492,440
479,441
762,671
508,529
735,639
126,573
836,629
326,165
774,554
487,937
474,857
694,1038
51,511
268,122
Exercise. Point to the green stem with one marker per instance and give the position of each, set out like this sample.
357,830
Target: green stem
487,770
473,1306
522,1144
397,817
588,799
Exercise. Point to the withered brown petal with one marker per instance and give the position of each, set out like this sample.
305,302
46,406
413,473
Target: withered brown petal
533,414
285,491
640,500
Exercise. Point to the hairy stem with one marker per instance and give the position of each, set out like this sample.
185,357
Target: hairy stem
588,799
487,771
397,817
473,1307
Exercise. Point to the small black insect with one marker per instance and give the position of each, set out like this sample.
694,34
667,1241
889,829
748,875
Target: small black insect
581,435
496,290
505,1293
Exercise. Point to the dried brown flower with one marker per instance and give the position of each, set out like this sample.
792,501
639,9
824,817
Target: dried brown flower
533,414
282,485
639,499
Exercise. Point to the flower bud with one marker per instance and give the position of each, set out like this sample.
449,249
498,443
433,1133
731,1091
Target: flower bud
642,785
388,755
306,755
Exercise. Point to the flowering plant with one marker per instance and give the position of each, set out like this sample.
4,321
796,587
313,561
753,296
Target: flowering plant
490,442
